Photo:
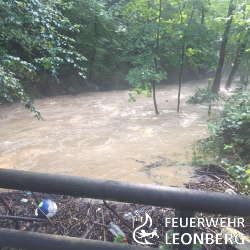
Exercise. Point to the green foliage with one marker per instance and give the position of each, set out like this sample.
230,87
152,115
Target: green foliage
141,35
10,88
205,95
183,27
169,240
99,38
242,85
72,90
33,46
229,137
119,239
140,79
237,169
232,127
196,246
106,41
198,159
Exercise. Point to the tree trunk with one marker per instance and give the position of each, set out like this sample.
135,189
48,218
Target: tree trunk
91,65
156,69
242,77
180,76
217,79
155,104
237,60
182,56
223,71
93,53
230,78
202,16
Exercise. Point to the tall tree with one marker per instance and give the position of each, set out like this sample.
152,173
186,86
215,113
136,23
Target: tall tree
217,79
240,37
156,58
183,22
142,47
92,60
180,75
99,39
239,54
182,54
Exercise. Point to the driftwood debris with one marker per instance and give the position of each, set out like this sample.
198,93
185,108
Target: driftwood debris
20,218
89,219
119,216
10,210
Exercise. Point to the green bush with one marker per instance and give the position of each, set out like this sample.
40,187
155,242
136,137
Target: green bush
234,125
232,128
204,95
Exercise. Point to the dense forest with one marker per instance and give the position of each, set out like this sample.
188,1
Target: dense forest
60,46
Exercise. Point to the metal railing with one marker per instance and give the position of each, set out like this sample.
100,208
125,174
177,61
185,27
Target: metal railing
162,196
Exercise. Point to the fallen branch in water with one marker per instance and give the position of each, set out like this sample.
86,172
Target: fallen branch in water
15,218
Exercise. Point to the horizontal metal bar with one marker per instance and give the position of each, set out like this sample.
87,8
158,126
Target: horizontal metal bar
39,241
179,198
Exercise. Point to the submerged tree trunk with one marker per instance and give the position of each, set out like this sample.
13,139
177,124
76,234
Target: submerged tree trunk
180,75
155,104
217,79
156,69
237,60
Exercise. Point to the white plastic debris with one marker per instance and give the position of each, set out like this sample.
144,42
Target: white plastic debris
128,216
115,230
141,211
24,200
98,209
230,191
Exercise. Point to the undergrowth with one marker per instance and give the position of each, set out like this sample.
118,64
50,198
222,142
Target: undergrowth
229,140
205,95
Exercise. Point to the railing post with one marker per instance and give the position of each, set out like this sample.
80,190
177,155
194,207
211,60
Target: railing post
184,215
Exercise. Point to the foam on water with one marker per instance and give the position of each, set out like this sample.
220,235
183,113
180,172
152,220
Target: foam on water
101,135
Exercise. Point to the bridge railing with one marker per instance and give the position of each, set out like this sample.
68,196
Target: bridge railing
185,200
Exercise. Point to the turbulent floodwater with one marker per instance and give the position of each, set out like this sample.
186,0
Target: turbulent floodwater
101,135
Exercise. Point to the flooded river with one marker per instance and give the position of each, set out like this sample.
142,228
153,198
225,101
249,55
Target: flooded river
101,135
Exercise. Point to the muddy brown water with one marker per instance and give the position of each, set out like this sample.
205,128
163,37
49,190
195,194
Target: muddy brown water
101,135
